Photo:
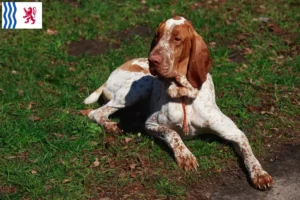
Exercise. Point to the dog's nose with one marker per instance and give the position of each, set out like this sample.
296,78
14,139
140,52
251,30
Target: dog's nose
155,59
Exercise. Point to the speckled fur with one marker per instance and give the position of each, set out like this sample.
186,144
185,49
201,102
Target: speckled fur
165,121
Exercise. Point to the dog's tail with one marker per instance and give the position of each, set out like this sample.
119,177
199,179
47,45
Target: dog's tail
95,95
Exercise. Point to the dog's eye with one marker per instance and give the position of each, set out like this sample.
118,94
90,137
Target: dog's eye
177,38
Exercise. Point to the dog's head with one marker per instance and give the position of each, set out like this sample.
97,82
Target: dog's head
178,50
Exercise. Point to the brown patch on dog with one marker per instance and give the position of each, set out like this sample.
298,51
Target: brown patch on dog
133,68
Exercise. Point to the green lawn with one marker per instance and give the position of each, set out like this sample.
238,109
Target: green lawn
49,150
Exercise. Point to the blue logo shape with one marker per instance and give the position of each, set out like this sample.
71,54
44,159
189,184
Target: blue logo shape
9,18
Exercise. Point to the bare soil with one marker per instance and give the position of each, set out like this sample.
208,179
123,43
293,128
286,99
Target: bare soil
284,166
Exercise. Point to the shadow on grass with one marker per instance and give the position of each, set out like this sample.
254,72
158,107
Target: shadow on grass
132,120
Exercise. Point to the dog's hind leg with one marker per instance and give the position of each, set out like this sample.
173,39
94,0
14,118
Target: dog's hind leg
101,116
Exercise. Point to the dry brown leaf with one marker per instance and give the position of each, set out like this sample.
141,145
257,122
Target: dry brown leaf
111,139
20,92
30,105
62,161
133,175
34,118
58,135
83,89
2,91
85,112
51,31
71,69
248,50
40,83
66,181
132,166
127,139
96,163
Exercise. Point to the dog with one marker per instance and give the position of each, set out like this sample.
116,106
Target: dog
175,78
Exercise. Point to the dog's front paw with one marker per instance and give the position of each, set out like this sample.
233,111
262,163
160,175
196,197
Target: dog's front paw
186,160
92,115
112,127
262,180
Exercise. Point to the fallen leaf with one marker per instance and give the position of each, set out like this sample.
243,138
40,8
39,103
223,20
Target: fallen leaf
263,19
127,139
7,190
133,175
62,161
83,89
33,172
248,51
71,69
193,7
73,137
30,105
276,29
76,19
212,44
96,163
58,135
266,112
14,72
51,31
20,92
40,83
241,37
34,118
66,181
85,112
132,166
111,139
2,91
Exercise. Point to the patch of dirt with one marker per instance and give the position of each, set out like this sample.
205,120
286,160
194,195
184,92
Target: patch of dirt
283,166
237,56
6,190
95,47
128,34
90,47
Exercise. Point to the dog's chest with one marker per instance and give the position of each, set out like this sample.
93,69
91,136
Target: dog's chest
171,112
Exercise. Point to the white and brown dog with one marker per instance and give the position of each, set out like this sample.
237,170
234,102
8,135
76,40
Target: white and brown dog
182,97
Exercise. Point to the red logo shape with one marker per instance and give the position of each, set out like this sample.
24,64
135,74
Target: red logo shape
30,14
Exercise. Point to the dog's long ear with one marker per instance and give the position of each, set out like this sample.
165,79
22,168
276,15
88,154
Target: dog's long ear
199,62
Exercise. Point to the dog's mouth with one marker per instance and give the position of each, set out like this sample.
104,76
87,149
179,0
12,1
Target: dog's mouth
161,72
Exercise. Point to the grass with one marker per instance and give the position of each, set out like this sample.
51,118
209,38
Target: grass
48,149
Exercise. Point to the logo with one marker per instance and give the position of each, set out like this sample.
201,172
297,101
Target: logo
30,14
21,15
